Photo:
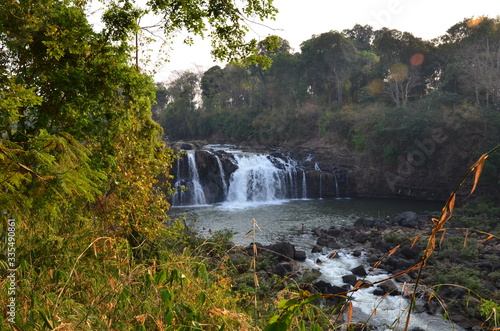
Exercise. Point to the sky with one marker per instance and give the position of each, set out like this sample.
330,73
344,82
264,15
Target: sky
299,20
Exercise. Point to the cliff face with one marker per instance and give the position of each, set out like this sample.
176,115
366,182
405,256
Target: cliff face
334,172
418,174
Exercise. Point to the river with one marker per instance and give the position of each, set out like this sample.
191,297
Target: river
292,220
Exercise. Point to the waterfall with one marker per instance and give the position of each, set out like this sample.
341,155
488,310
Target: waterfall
198,195
256,179
222,176
304,186
316,167
337,192
234,176
189,189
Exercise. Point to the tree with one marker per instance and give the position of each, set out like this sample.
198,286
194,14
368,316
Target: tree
179,113
416,55
471,51
76,120
329,57
226,22
401,81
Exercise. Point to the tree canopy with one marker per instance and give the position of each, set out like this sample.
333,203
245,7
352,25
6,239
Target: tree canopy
336,76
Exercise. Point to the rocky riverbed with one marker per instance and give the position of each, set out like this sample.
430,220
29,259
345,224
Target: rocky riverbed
392,246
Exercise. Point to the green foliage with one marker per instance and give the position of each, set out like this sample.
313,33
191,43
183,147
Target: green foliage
489,310
225,22
297,313
80,158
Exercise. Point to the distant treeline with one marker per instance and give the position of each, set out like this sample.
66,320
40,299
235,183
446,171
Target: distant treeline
378,91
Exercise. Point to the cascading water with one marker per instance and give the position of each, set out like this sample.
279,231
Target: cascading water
216,176
337,192
222,175
198,194
194,194
317,168
256,179
304,185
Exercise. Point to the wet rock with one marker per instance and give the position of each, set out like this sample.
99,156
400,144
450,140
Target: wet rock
300,255
361,238
350,279
410,252
317,232
327,288
322,241
333,255
282,250
317,249
359,271
356,253
334,232
333,245
389,287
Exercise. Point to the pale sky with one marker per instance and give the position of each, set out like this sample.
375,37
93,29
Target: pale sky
298,20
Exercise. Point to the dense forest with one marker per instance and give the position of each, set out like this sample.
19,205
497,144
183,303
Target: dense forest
375,91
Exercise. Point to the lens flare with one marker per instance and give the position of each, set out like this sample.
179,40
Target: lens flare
398,72
473,22
375,87
417,59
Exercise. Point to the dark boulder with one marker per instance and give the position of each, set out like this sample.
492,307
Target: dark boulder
334,232
300,255
283,251
285,268
364,222
317,249
389,287
322,241
407,219
350,279
327,288
361,238
332,244
359,271
410,252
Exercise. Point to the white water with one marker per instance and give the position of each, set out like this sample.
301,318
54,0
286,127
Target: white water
198,194
390,311
222,175
258,180
317,168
